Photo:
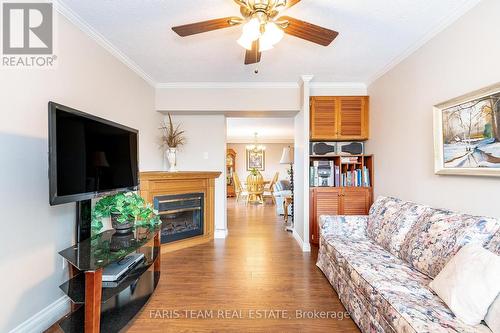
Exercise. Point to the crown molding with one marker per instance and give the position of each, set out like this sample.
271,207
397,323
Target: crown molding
260,85
74,18
306,78
337,89
337,85
262,140
433,32
228,85
216,111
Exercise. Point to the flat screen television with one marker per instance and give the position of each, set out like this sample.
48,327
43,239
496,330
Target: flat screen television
89,156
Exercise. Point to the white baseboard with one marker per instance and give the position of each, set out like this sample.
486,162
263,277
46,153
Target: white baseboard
306,247
220,233
45,318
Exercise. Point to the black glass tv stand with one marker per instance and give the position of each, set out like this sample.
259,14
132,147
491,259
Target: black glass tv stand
97,309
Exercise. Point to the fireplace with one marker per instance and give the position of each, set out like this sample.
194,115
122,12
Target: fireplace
182,216
191,191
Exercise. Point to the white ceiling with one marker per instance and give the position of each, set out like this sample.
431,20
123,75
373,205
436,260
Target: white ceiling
242,130
373,35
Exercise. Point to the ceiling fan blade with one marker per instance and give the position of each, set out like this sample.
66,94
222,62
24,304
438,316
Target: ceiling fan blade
291,3
199,27
253,56
308,31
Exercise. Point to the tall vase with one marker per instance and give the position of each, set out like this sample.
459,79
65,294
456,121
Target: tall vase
172,159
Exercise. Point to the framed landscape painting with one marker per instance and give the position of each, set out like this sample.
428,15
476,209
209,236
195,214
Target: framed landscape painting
467,134
256,160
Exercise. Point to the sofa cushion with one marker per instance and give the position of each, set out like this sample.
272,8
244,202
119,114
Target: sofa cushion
352,226
469,283
393,292
494,244
390,220
282,185
439,234
360,310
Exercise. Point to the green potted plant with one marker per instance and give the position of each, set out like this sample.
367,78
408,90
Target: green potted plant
126,210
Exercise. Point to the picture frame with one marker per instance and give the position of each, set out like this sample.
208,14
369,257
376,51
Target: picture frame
467,134
256,160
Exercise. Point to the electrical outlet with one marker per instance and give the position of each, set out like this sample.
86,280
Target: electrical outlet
205,155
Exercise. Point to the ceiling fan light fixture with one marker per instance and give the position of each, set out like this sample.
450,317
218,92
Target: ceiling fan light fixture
265,45
251,30
245,42
272,35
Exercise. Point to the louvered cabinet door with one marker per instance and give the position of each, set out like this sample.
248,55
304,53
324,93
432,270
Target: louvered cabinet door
355,201
326,202
324,114
353,122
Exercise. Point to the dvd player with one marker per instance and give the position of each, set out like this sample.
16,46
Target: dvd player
113,272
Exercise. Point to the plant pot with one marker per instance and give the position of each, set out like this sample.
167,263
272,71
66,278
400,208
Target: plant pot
120,241
121,227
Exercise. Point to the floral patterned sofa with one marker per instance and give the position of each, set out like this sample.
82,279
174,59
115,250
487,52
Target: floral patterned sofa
381,264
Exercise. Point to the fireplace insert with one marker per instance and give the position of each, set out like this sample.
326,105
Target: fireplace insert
181,215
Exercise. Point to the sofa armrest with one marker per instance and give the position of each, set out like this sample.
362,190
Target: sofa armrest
282,193
340,225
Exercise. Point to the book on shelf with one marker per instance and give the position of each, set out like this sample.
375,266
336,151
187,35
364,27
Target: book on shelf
337,176
327,174
349,159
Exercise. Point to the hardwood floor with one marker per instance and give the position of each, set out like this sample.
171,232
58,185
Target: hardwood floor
259,266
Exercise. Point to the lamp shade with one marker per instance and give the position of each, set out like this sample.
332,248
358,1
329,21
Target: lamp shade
251,32
287,156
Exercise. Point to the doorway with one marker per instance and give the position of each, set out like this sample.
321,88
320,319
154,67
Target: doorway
258,165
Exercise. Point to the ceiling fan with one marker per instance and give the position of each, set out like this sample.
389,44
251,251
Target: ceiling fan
262,27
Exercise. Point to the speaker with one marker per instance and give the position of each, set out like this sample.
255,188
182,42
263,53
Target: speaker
350,148
323,148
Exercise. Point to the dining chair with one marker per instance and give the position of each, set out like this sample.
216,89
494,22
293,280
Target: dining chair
255,188
239,189
269,190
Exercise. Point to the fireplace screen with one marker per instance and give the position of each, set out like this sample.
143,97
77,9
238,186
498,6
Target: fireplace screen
181,216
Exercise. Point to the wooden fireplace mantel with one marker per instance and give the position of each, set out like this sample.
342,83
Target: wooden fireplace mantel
182,175
157,183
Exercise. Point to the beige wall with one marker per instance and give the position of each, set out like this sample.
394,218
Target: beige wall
273,157
205,150
463,58
87,78
239,98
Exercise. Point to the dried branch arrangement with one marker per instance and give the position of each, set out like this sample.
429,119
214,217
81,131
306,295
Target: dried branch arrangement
172,136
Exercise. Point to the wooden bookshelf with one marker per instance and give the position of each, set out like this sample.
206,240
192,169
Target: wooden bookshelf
363,161
334,119
340,200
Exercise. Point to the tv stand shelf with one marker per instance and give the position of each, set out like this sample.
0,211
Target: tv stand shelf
98,309
75,287
115,315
